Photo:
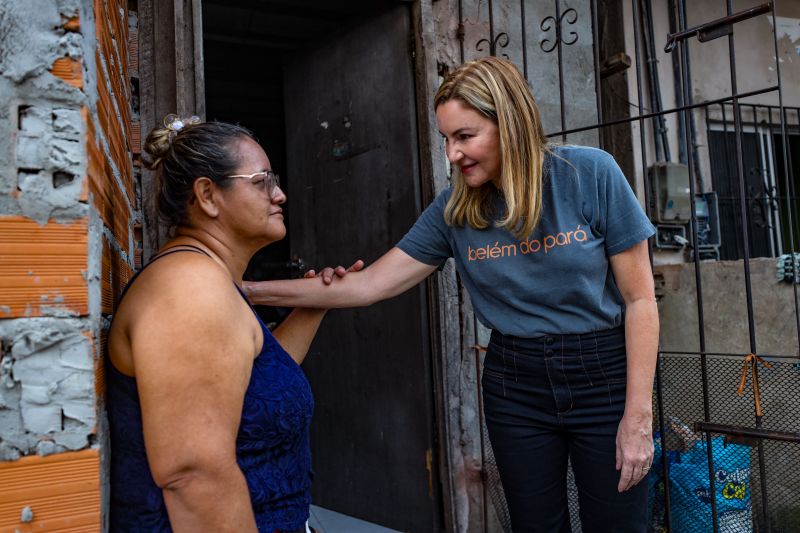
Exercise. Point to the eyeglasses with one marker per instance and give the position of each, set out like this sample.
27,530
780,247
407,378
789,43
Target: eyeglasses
268,180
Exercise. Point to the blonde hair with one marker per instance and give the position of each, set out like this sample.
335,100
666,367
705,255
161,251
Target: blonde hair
495,88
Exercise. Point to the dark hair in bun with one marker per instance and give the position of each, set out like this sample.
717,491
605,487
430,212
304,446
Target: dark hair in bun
182,151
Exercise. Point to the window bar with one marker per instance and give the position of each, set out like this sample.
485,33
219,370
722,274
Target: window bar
596,47
662,428
737,122
685,76
524,39
676,74
460,31
563,111
661,151
728,354
491,29
792,187
666,112
716,28
790,194
740,431
771,200
646,180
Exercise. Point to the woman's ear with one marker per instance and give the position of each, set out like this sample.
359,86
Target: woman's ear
204,196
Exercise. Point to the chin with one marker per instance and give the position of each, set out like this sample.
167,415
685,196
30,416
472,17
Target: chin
475,182
276,234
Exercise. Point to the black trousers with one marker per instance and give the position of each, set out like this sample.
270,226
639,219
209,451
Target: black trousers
556,397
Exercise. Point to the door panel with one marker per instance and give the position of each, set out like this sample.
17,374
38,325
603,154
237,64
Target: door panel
353,193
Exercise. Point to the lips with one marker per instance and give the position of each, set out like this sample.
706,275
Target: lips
466,169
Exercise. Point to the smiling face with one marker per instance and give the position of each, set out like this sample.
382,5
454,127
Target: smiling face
472,142
254,212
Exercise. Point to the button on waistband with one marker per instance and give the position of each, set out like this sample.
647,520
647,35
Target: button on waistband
549,341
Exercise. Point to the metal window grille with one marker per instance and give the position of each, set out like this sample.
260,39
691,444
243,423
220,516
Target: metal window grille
697,405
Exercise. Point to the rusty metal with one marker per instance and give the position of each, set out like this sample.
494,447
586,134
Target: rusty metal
716,28
742,431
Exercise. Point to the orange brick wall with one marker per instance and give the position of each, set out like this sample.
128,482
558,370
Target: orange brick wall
74,268
62,493
42,268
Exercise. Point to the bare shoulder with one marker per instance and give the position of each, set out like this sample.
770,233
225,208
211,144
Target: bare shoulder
185,282
183,304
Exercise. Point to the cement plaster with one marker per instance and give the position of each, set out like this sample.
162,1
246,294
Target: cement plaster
46,386
47,398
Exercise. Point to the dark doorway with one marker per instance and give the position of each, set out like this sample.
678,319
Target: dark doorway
328,89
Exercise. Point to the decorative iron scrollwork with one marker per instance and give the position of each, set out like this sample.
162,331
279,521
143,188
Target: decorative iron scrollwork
570,16
501,40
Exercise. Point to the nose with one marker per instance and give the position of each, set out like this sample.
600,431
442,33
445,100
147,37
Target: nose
453,153
278,196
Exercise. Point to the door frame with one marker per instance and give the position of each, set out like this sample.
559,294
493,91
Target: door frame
174,83
169,83
463,492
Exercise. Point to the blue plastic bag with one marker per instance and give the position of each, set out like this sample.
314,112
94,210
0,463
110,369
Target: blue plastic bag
690,493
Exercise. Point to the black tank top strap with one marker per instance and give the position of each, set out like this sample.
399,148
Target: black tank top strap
175,249
169,251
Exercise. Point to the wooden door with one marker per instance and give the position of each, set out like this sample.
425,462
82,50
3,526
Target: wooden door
353,175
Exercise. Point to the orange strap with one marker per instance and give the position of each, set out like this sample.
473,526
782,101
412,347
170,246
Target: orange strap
750,362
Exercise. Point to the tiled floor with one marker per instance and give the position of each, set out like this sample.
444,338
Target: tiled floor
326,521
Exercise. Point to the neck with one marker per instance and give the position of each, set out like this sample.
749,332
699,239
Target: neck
234,259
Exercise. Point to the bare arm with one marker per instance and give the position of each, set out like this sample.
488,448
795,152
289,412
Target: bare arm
297,331
192,372
634,277
395,272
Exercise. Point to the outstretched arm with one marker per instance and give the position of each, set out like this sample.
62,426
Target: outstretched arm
395,272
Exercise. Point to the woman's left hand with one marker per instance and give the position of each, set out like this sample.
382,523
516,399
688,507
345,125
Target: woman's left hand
634,449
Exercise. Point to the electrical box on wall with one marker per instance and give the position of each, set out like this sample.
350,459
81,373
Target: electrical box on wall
669,193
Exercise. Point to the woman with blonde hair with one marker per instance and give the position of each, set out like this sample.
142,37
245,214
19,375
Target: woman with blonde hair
209,411
551,244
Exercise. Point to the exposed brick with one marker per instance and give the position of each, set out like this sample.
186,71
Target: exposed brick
69,70
72,24
62,491
42,268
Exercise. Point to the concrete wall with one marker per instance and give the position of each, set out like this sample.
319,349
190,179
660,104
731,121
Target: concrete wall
756,67
68,215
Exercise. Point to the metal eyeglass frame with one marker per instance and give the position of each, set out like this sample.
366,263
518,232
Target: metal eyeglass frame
271,179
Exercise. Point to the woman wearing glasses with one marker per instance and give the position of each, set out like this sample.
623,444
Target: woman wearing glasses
551,244
209,411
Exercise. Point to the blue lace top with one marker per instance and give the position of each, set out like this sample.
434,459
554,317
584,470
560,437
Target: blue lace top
272,447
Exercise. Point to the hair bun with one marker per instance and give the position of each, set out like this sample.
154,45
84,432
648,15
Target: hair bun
159,140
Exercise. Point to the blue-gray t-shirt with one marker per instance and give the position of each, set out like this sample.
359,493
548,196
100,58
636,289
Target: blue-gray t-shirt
559,279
